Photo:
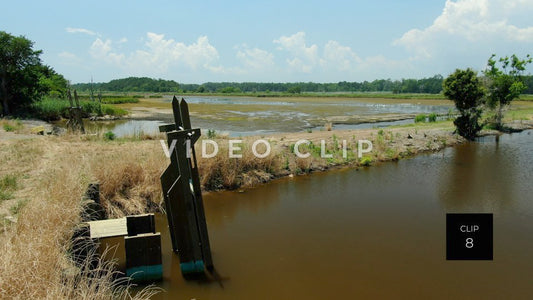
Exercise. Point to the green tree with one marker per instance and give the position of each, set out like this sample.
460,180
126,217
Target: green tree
505,83
466,91
52,83
294,89
20,67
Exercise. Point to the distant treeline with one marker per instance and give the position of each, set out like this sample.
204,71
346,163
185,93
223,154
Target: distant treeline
431,85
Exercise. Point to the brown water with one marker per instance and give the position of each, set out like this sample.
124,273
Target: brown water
378,232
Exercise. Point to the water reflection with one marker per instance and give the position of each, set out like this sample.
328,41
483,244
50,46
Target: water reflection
481,175
120,128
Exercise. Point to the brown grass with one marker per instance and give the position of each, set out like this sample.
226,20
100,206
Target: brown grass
34,261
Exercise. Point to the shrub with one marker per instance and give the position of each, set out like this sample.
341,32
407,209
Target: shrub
420,118
211,134
464,88
467,125
432,117
109,136
113,111
8,127
365,161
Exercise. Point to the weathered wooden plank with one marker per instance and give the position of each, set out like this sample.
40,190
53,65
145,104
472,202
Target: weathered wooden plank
193,134
108,228
167,179
139,224
177,114
185,222
184,112
143,257
200,212
167,127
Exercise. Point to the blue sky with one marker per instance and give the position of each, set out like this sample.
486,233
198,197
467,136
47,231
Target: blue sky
270,41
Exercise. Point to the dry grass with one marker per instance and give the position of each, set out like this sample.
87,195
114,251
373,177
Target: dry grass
222,172
129,179
34,261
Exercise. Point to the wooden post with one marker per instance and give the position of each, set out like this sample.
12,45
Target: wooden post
183,196
139,224
143,257
142,244
75,122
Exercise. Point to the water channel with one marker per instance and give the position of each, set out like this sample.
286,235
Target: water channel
376,232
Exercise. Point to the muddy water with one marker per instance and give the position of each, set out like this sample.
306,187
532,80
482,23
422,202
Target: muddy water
377,232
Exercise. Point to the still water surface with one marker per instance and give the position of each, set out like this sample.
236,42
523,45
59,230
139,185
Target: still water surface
377,232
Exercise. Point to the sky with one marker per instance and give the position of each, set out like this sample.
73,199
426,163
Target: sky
270,41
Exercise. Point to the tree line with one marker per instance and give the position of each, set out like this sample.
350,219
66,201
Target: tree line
431,85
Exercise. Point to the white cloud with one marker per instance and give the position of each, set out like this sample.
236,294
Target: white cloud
472,25
103,51
159,55
339,57
304,58
80,30
255,59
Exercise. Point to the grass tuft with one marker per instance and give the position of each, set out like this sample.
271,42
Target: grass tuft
421,118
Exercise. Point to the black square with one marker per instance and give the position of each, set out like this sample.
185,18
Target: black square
469,237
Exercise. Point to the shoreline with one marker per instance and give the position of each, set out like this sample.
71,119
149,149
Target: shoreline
393,144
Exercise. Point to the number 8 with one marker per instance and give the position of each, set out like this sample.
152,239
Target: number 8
469,243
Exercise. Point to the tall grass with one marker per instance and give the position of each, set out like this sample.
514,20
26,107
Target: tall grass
119,100
111,99
55,109
35,261
420,118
